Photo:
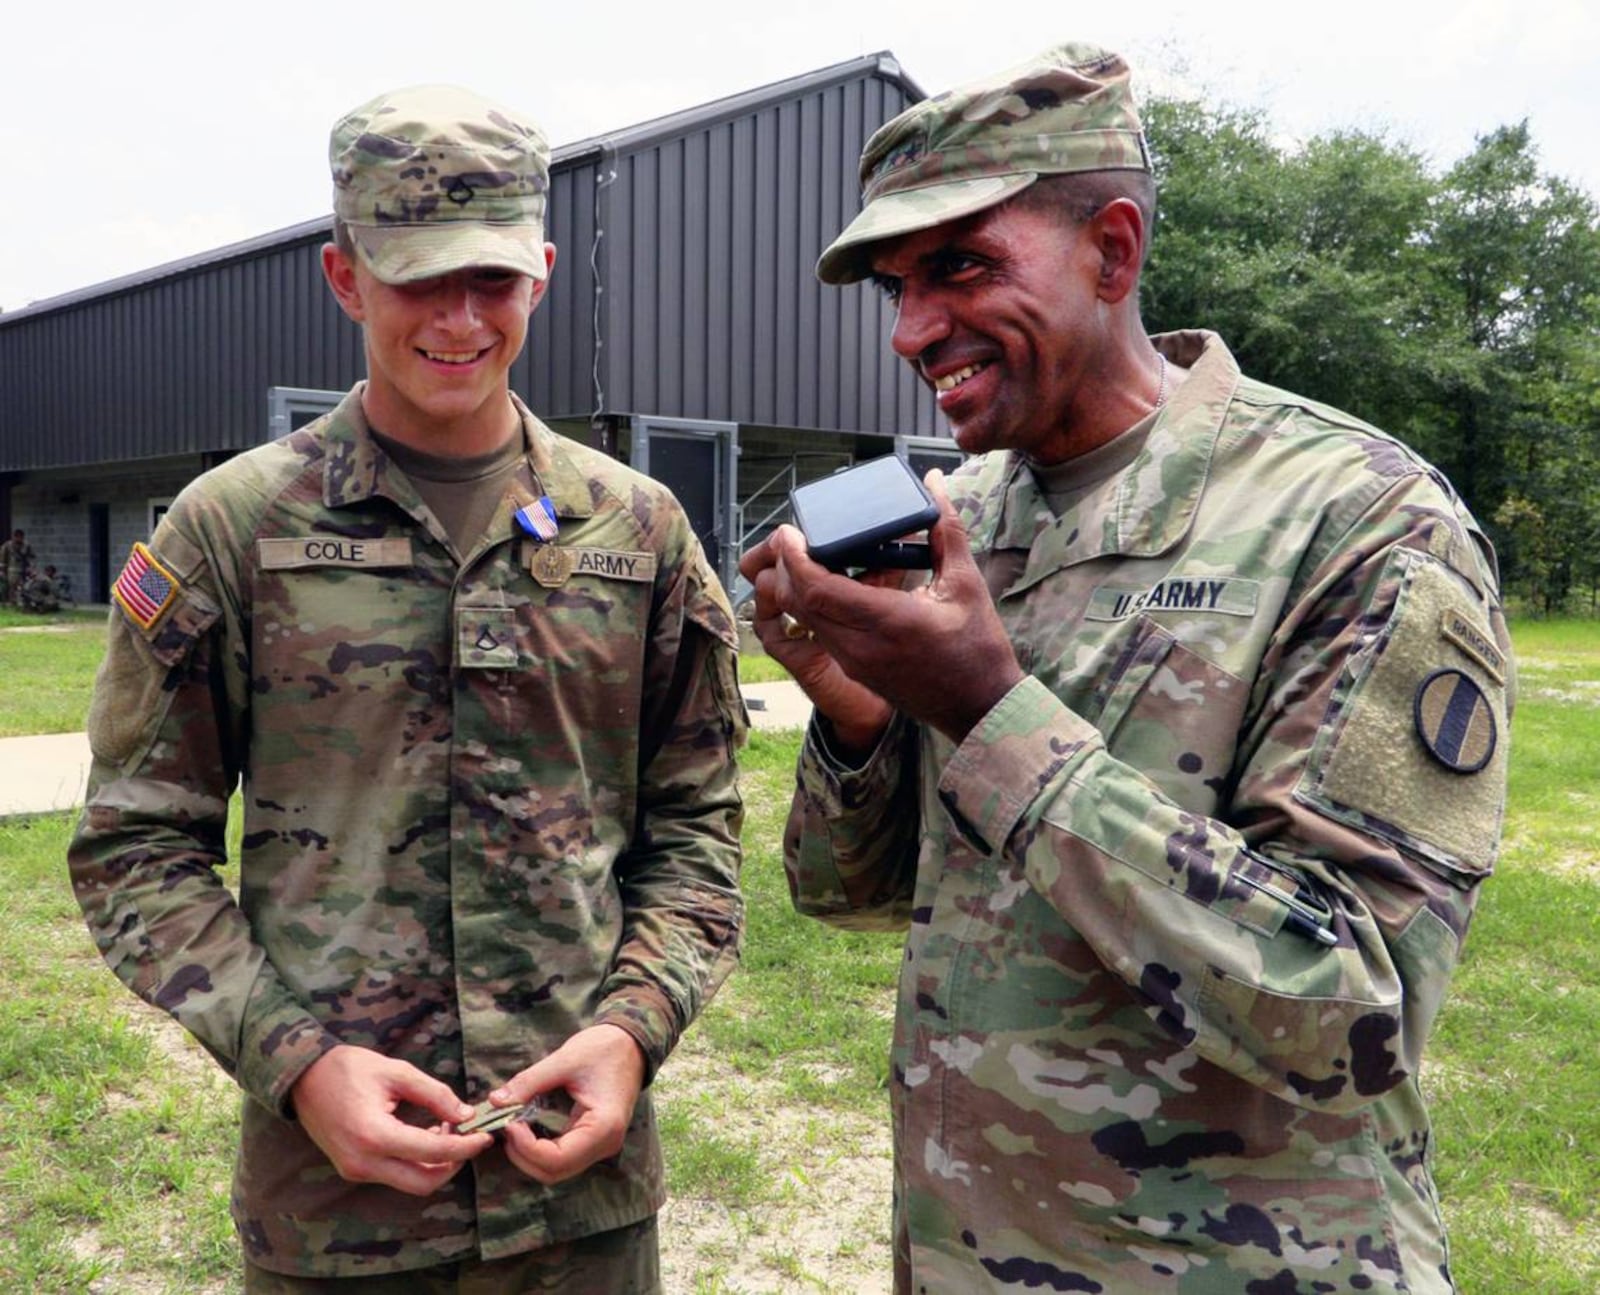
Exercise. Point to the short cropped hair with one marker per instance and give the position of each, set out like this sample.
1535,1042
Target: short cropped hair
1077,195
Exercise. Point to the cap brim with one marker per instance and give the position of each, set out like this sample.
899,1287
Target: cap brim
406,253
905,211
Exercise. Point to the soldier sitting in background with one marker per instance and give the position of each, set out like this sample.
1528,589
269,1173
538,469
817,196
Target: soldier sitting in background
1181,773
42,592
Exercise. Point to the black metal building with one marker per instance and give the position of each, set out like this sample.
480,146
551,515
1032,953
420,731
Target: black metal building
683,331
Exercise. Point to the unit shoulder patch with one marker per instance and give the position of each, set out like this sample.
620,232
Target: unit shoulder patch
1414,745
1455,721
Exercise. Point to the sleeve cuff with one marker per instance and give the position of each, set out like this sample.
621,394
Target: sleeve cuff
836,785
1023,748
649,1016
274,1058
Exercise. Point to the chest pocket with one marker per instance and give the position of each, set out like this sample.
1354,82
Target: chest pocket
1171,714
565,634
348,623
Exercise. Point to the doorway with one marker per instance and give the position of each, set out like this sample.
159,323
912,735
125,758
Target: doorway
696,461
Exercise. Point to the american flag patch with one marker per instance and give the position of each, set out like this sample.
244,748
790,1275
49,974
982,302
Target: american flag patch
145,587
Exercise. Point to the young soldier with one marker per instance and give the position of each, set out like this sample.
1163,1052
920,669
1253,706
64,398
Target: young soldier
1183,770
476,686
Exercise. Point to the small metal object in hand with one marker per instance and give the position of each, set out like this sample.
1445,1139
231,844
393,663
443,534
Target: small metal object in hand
793,629
488,1118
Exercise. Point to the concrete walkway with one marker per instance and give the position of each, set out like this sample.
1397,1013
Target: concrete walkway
40,774
776,705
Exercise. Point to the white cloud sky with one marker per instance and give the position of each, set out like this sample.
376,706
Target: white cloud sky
134,135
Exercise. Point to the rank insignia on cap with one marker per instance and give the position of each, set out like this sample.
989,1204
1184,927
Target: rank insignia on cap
538,519
145,587
1455,721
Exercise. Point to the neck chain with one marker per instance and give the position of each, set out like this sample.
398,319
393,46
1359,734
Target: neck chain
1161,388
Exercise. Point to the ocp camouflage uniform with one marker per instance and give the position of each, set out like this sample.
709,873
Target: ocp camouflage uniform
486,803
1119,1062
15,559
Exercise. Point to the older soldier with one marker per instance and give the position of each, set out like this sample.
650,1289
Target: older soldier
1183,769
16,557
476,684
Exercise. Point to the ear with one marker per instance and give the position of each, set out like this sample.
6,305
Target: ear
1120,237
340,272
540,285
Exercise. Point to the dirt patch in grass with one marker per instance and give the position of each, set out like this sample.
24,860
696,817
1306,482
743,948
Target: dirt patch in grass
1584,864
826,1226
1560,1234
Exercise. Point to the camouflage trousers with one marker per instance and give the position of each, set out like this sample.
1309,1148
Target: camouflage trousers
626,1261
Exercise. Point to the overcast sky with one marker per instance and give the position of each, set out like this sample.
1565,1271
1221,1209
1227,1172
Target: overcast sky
137,134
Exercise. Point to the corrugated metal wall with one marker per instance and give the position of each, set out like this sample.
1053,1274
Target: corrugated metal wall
712,308
555,373
183,364
709,223
177,365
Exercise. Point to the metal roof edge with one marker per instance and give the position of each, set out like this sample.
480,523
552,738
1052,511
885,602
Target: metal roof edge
883,64
321,226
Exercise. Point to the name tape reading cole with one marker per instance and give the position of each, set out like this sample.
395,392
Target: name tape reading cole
332,551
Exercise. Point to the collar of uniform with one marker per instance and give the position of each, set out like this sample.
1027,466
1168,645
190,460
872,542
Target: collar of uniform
554,472
356,467
1150,505
351,469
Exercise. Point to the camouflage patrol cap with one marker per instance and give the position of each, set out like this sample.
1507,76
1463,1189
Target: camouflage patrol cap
1067,109
433,178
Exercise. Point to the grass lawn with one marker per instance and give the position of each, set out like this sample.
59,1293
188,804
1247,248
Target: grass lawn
47,665
116,1133
1515,1068
755,667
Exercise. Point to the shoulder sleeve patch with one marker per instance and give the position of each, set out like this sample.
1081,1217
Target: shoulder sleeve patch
145,589
1455,721
1413,749
133,691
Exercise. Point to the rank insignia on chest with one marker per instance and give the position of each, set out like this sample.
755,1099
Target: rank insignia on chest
1455,721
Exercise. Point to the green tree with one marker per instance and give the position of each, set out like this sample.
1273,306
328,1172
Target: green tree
1460,312
1515,293
1305,261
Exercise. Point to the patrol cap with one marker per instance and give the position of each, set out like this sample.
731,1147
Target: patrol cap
1068,109
434,178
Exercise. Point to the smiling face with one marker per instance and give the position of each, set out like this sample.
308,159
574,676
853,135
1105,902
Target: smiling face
439,350
1006,316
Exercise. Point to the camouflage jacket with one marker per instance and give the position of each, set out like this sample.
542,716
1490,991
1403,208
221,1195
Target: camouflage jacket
486,802
15,559
1184,904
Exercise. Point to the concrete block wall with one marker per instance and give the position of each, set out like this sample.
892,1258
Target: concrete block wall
54,508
